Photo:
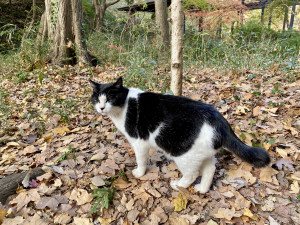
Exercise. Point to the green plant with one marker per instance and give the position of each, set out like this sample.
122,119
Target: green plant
65,108
67,155
103,196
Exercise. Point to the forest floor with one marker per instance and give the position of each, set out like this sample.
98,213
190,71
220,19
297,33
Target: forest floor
47,121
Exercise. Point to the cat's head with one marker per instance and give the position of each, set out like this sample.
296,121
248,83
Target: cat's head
107,97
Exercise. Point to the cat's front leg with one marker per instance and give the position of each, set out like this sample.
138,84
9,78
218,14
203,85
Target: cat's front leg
141,151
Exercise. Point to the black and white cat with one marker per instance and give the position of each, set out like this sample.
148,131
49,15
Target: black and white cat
187,131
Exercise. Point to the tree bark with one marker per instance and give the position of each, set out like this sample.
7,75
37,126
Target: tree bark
61,24
285,17
10,183
292,16
100,12
262,14
177,19
161,15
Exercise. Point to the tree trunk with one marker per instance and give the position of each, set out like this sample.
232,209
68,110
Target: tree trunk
285,17
10,183
100,12
161,15
292,16
61,24
177,19
270,21
262,14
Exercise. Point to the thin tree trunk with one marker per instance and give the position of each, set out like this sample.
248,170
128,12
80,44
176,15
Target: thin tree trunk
270,21
161,15
285,17
100,12
262,14
292,16
177,19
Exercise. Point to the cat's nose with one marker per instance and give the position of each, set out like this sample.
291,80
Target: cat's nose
102,108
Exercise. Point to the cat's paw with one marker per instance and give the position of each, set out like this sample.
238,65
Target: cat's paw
138,173
174,184
201,188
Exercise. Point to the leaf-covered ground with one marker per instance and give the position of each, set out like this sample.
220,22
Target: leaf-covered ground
53,125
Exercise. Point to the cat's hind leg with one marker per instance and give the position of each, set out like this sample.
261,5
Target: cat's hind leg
189,170
141,150
207,171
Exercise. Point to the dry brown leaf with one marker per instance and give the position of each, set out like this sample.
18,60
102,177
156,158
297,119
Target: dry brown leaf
30,149
211,222
25,197
97,181
81,196
225,213
82,221
178,221
269,204
267,173
62,218
256,111
295,187
120,183
13,221
50,202
240,172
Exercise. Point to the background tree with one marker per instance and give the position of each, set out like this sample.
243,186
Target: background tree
100,8
161,15
61,24
177,19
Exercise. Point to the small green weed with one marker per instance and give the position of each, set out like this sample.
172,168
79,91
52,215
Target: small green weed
103,196
65,108
67,155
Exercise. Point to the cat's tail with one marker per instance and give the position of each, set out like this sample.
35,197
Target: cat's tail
255,156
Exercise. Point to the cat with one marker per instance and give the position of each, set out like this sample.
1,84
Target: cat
187,131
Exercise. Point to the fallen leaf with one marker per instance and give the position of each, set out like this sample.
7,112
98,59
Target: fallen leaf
13,221
211,222
97,181
225,213
81,196
295,187
178,221
3,213
269,204
82,221
272,221
281,152
50,202
256,111
29,150
25,197
62,218
240,172
104,221
61,130
288,162
120,183
267,146
267,173
180,202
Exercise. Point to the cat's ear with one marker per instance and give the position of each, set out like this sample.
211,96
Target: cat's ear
119,83
94,84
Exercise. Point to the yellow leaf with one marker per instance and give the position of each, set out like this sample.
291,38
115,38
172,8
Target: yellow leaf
180,203
248,213
105,221
267,146
3,213
61,130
